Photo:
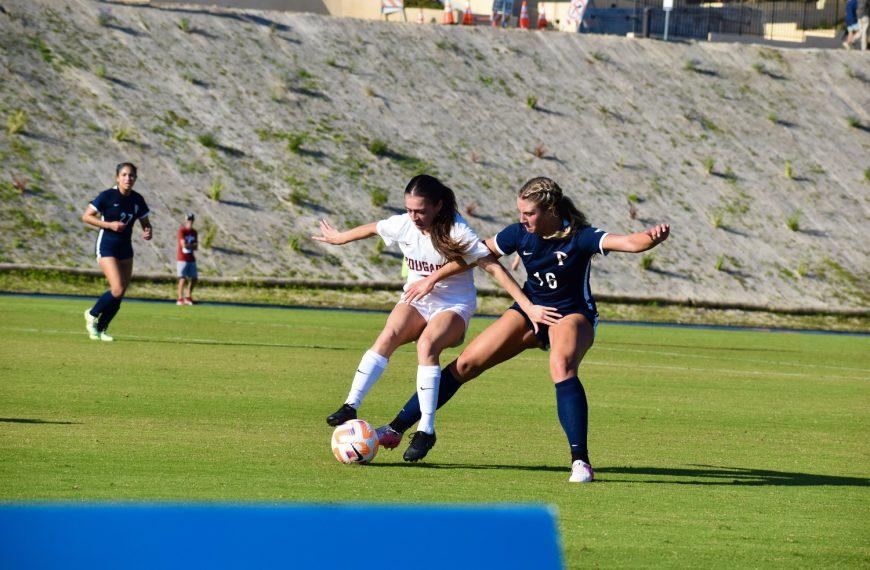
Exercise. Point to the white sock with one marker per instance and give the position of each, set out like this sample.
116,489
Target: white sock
428,380
370,368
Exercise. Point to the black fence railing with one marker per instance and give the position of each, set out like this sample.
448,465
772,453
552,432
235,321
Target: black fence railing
784,20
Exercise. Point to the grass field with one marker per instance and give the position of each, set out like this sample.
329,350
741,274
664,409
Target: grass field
715,448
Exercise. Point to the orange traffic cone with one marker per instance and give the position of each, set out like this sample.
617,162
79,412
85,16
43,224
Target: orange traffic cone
467,17
524,16
420,16
447,18
542,20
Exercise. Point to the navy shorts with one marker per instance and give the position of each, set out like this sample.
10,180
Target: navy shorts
543,334
113,248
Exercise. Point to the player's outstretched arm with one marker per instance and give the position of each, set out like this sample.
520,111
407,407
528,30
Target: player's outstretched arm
419,289
537,313
638,241
329,234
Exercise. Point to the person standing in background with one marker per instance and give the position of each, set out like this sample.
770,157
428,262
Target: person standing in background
187,275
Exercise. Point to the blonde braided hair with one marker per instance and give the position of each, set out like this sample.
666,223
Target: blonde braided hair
548,195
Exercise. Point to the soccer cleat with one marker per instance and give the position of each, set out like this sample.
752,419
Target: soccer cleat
388,437
581,472
104,336
91,325
180,302
345,413
188,301
421,443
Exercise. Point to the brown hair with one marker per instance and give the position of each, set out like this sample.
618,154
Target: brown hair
434,191
547,194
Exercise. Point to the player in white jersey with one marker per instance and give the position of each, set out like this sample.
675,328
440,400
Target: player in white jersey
430,235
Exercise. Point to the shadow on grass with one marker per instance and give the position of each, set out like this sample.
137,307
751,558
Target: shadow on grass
34,421
694,475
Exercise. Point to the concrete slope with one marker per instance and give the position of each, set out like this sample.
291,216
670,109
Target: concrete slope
282,112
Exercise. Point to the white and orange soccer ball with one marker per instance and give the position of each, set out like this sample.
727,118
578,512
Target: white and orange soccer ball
354,441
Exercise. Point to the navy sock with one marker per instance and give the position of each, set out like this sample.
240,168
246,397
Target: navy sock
410,413
102,303
573,415
109,313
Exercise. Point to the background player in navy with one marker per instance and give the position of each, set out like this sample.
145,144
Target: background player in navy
114,212
556,245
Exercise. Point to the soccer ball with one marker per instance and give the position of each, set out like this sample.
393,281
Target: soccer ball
354,441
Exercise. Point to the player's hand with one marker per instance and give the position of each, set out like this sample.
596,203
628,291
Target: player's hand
117,226
146,233
328,234
418,289
543,315
659,233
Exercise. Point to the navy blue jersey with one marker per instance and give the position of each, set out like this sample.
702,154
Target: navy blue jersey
557,269
115,207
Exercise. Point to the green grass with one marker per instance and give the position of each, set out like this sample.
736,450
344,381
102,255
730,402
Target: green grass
711,448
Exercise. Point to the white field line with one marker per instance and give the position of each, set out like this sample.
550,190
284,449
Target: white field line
520,358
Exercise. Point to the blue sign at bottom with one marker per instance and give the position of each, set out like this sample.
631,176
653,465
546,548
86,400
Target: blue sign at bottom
288,536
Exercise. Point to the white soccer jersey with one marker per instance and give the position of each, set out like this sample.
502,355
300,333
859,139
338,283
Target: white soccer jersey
423,259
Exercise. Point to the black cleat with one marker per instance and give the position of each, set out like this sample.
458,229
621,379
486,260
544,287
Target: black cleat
421,443
345,413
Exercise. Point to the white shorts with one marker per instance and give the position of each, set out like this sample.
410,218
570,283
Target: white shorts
429,306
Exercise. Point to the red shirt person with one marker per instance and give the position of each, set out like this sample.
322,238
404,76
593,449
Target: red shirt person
186,264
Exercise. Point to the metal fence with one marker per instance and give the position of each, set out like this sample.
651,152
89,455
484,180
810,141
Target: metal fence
787,20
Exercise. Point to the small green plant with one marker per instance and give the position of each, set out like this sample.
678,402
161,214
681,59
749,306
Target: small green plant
853,122
370,92
16,122
598,56
532,102
720,262
303,74
485,79
100,71
633,198
294,243
850,73
709,163
295,141
207,140
789,170
104,17
717,218
802,270
758,67
215,190
690,65
122,134
793,222
379,147
773,118
331,62
646,261
298,196
817,169
379,196
867,175
209,232
184,25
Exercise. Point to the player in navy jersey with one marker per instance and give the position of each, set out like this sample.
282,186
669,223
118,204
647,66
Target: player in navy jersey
556,245
114,211
430,234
